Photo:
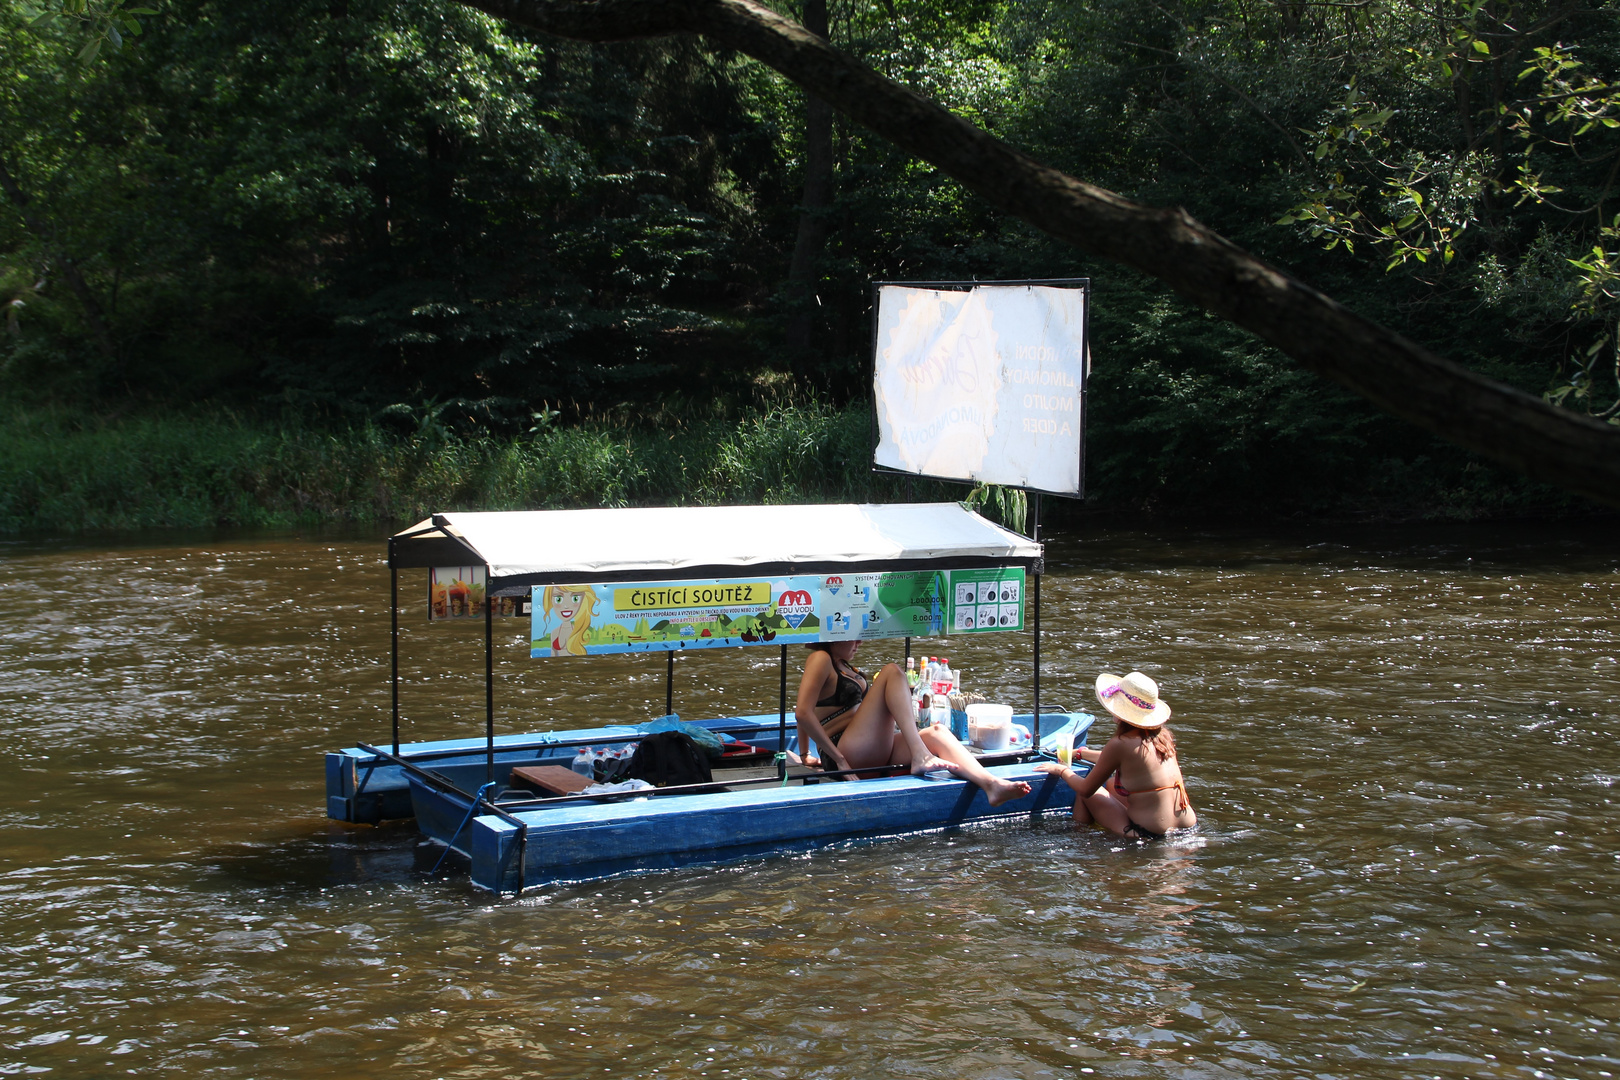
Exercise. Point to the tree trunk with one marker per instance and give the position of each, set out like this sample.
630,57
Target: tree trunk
1491,418
70,270
818,184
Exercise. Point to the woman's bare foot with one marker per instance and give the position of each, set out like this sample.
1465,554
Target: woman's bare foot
1001,790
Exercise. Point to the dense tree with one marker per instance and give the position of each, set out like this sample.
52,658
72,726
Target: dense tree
1386,368
366,202
383,208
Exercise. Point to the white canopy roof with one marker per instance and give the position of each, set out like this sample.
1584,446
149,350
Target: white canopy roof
579,545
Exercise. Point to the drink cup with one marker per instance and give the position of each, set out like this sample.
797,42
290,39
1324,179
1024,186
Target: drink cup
1065,747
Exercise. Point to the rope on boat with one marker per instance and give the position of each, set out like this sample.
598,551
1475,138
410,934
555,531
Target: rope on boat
781,756
471,810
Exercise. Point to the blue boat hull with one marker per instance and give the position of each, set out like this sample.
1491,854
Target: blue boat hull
578,839
583,842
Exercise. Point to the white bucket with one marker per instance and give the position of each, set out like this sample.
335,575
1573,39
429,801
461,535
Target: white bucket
989,726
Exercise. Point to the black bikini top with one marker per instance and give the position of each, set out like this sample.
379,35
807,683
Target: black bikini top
848,693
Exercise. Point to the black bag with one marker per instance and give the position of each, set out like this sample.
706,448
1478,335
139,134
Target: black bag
667,758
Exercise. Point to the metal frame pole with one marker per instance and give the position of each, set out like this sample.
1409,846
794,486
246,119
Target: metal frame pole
1035,606
781,723
669,685
393,618
489,683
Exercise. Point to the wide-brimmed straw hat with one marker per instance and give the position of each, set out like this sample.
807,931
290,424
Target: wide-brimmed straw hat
1133,698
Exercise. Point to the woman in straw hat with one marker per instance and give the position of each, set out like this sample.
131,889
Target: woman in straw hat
1148,797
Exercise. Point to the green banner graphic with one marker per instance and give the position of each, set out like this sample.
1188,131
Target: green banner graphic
581,620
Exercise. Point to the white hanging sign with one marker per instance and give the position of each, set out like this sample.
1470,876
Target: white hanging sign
984,384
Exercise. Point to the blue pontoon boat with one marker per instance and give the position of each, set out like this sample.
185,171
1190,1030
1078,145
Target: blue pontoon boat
676,579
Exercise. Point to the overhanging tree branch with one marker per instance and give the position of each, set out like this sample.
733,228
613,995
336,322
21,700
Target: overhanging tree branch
1491,418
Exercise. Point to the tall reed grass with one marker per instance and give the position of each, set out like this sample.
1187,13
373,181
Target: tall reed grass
65,475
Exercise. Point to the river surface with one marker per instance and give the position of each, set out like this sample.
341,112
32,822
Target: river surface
1401,744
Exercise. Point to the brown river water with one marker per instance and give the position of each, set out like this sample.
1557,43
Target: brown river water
1401,744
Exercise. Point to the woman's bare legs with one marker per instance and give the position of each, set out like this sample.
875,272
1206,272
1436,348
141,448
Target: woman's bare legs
938,739
1101,807
870,739
1105,809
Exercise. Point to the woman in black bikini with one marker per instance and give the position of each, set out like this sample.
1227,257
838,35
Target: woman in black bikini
858,724
1142,753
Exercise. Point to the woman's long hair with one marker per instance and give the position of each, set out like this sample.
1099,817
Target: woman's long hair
1160,740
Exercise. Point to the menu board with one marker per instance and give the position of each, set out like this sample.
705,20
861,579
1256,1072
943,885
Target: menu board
581,620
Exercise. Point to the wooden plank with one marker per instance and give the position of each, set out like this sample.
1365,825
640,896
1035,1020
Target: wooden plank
549,779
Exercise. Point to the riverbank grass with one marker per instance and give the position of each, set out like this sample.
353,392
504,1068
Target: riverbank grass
66,474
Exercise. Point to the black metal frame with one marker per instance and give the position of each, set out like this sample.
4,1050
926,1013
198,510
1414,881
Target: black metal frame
393,618
453,551
1035,618
781,722
489,682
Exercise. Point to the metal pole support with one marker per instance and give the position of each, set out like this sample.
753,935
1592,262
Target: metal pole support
781,722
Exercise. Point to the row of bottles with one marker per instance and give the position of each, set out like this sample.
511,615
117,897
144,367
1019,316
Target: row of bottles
604,766
936,676
936,690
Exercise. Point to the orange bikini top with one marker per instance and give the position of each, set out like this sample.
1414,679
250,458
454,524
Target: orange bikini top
1179,787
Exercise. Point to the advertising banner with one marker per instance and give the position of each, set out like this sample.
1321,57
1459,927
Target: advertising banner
457,592
580,620
983,385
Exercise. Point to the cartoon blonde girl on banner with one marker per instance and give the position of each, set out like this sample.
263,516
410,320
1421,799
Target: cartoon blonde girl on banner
575,606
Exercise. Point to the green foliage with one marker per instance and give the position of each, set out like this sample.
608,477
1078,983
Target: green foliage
353,205
61,473
1473,134
447,247
104,22
1009,506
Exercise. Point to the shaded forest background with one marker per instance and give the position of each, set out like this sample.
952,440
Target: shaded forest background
315,259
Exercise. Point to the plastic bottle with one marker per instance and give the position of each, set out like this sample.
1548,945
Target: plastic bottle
599,762
956,680
582,763
911,672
